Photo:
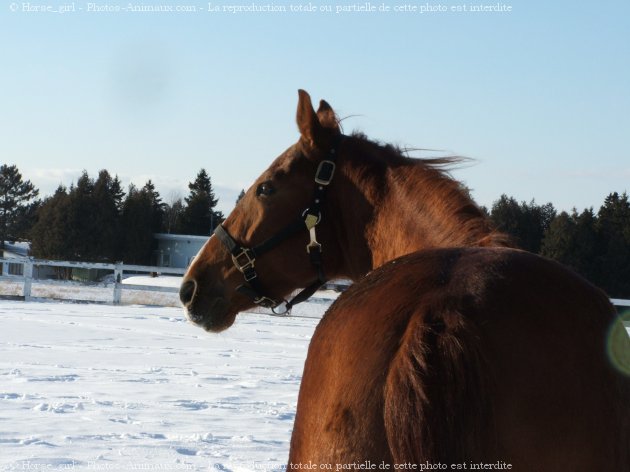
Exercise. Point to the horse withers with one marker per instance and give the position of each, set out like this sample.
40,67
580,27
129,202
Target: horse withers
454,349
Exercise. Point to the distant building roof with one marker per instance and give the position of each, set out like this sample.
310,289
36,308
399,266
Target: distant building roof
17,249
179,237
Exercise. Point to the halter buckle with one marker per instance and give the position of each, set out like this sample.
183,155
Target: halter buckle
325,172
243,261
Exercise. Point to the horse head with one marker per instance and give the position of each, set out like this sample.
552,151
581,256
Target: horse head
272,242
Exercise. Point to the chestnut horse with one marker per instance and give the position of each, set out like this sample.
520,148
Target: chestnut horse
454,351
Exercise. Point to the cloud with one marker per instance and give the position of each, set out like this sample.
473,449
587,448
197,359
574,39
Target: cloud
47,180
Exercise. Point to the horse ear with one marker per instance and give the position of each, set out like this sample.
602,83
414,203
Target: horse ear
327,116
307,120
315,128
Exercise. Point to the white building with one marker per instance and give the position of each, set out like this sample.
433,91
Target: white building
16,250
177,250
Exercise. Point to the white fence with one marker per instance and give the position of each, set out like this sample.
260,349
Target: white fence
117,269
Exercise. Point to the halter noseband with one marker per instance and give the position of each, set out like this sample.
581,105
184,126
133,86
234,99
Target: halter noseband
244,258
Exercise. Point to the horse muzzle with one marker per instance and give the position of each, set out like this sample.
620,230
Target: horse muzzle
207,311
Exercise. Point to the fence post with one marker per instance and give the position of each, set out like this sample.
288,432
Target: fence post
28,280
118,272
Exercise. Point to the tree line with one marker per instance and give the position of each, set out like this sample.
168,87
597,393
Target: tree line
96,220
595,245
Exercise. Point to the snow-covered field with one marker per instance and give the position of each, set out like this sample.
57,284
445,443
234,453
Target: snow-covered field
101,387
97,387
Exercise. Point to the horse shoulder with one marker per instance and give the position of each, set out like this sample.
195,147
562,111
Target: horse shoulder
457,354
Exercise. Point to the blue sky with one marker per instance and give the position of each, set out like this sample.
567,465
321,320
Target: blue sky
538,96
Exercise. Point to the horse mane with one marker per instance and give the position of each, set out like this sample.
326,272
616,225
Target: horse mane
429,187
401,155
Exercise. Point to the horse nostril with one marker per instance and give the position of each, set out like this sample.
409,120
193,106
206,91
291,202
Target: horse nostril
187,291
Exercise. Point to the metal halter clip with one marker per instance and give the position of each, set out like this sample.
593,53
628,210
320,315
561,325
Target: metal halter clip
311,220
325,172
248,262
313,244
265,302
281,309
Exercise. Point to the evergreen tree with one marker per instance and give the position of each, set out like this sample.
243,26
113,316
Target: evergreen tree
559,241
197,217
535,221
141,218
202,185
572,240
107,223
15,196
82,223
586,245
157,206
506,216
83,230
200,216
136,221
525,222
117,193
25,219
613,230
49,234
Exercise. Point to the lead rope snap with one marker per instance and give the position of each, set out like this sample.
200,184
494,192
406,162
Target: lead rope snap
313,243
281,309
311,222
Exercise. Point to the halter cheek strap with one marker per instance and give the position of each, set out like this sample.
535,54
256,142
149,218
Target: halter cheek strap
244,258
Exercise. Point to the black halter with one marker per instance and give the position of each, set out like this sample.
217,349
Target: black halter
245,258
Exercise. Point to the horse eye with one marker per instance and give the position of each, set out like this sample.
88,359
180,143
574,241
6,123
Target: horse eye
265,189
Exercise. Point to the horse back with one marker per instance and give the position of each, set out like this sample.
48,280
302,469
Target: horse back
466,355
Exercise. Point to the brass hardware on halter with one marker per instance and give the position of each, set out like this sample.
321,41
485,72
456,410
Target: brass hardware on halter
245,258
311,221
313,242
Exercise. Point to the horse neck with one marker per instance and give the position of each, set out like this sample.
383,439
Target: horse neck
410,207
